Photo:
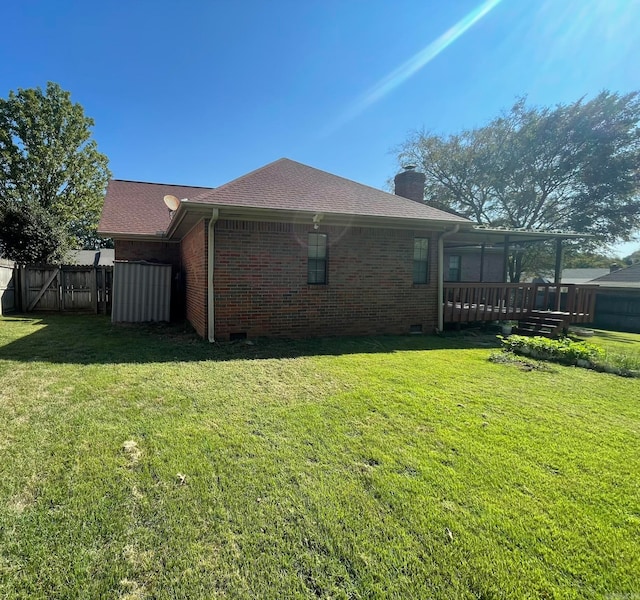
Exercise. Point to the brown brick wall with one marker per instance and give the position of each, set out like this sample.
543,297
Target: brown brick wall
470,266
164,252
193,254
261,288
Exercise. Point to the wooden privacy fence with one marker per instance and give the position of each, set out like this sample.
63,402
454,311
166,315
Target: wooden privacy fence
7,287
64,288
468,302
618,309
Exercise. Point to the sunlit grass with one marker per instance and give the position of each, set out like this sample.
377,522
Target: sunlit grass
622,349
141,462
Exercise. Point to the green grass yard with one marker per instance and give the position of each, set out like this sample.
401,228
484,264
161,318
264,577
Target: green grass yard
143,463
616,341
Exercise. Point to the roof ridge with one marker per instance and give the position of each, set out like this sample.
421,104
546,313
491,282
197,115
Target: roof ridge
370,187
241,177
203,187
333,175
351,181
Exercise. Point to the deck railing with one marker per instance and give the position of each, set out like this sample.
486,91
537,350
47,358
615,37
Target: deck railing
467,302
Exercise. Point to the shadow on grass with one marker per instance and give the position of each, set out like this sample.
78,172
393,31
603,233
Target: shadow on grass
93,339
614,336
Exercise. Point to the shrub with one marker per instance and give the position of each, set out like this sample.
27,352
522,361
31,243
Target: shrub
563,350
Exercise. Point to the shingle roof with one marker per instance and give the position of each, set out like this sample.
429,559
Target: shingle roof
627,277
585,275
136,207
289,185
98,258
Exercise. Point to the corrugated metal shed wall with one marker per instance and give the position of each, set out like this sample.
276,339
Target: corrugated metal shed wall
141,292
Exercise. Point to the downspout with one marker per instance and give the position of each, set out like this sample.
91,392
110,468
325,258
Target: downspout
210,261
441,237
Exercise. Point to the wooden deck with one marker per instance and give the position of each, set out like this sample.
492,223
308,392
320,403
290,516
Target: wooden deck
471,302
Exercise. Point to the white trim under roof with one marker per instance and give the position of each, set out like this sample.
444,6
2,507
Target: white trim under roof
188,211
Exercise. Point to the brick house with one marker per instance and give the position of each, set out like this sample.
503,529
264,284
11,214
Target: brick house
291,251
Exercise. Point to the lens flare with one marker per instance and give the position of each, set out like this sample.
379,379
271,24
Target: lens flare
399,75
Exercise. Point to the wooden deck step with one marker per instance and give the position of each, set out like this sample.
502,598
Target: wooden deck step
551,318
533,332
547,325
535,326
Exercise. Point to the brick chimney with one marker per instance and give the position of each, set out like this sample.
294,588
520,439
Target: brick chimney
410,184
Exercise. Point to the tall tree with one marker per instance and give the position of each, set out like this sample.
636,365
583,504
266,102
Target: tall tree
52,177
573,167
633,258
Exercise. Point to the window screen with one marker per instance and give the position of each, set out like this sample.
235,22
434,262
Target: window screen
317,261
420,260
454,268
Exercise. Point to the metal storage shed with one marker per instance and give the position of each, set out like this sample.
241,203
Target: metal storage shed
141,292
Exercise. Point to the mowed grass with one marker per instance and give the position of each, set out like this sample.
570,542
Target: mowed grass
144,463
623,349
616,341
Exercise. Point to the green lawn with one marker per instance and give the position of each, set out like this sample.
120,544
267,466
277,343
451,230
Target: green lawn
616,341
144,463
622,349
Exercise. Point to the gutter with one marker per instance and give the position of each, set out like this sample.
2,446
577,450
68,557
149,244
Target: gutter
210,259
441,237
298,217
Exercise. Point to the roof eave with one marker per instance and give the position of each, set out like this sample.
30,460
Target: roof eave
181,223
160,236
498,235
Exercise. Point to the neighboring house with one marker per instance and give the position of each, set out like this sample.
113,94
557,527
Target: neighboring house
103,257
290,251
582,275
618,300
626,278
576,276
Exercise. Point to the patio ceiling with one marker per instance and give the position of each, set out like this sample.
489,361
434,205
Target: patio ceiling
501,235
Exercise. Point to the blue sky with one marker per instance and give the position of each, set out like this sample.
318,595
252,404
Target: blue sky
201,92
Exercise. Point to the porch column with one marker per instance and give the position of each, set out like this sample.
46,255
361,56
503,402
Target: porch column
558,273
505,265
441,237
559,251
482,262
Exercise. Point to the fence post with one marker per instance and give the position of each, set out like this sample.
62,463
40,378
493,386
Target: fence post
24,289
94,289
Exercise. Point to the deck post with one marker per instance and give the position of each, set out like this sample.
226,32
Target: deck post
482,261
571,307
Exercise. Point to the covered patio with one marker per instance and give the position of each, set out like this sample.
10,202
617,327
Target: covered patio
539,308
